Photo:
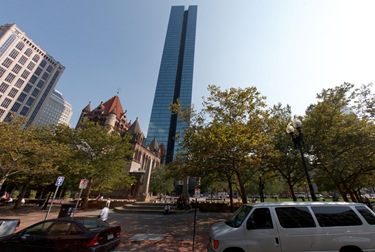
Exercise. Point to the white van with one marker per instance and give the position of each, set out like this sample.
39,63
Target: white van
296,226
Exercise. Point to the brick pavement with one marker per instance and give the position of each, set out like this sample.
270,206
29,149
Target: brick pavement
140,232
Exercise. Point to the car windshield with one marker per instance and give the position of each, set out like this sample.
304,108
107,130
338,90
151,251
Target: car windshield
239,216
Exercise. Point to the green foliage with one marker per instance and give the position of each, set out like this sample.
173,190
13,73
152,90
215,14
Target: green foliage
160,181
341,140
15,193
32,194
228,138
98,155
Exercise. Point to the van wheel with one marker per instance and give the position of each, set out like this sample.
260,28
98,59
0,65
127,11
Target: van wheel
234,250
350,249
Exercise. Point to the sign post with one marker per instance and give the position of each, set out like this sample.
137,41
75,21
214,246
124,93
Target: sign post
59,182
82,185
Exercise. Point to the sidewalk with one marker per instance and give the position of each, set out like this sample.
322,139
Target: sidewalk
140,232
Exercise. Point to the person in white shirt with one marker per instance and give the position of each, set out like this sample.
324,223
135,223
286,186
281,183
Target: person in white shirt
167,209
104,214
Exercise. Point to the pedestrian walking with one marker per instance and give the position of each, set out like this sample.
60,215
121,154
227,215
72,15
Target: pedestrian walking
104,214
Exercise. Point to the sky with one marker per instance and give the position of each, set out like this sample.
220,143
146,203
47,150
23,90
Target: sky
290,50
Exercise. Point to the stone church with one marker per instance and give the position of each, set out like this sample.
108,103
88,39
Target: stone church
144,158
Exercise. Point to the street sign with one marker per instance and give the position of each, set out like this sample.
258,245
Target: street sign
59,181
83,183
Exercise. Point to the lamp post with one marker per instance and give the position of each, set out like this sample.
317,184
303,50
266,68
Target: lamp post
261,188
298,141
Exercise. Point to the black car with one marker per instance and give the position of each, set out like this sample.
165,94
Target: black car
64,234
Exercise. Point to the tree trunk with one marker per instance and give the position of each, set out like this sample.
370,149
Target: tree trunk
21,196
242,188
2,180
230,194
292,191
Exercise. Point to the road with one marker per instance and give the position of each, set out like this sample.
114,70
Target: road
140,232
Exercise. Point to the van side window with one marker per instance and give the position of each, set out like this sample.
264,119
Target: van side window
295,217
366,214
261,218
336,216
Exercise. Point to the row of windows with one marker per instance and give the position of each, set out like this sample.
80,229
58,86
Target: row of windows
51,61
300,217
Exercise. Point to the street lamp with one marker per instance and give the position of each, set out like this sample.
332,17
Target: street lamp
298,141
261,188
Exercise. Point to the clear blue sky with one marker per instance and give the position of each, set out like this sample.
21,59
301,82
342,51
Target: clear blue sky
289,49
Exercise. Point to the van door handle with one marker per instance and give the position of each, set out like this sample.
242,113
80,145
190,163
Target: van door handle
277,240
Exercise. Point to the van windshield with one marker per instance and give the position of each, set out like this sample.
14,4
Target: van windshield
239,216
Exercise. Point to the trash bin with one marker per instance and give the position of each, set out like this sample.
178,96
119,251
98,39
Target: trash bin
66,210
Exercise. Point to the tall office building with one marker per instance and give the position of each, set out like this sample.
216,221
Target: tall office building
175,79
56,111
28,75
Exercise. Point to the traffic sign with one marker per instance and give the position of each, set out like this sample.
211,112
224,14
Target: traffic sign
83,183
59,181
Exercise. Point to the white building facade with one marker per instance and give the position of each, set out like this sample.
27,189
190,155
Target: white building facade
56,111
28,75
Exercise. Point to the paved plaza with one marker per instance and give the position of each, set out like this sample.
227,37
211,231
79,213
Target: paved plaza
140,232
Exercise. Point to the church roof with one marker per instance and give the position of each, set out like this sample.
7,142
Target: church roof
87,108
135,128
113,105
153,146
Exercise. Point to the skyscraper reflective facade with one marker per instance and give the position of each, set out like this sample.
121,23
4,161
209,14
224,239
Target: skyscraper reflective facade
175,79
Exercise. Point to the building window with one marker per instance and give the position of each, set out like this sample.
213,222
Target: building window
7,62
16,68
2,112
3,87
6,103
22,97
33,79
10,77
2,71
49,68
15,107
24,111
40,84
30,101
22,60
25,74
31,66
13,54
27,88
20,46
45,76
19,83
43,63
38,71
28,52
35,92
13,92
36,58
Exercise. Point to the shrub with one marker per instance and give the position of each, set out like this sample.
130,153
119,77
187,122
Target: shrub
32,194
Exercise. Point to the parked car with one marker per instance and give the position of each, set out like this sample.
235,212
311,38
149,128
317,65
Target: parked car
296,226
64,234
8,226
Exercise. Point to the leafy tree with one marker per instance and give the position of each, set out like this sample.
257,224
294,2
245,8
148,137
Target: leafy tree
43,157
14,144
228,137
160,181
285,160
99,155
341,142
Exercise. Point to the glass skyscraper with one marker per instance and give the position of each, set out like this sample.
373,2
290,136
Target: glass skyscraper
175,79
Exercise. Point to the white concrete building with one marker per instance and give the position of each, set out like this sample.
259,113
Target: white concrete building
28,75
56,111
